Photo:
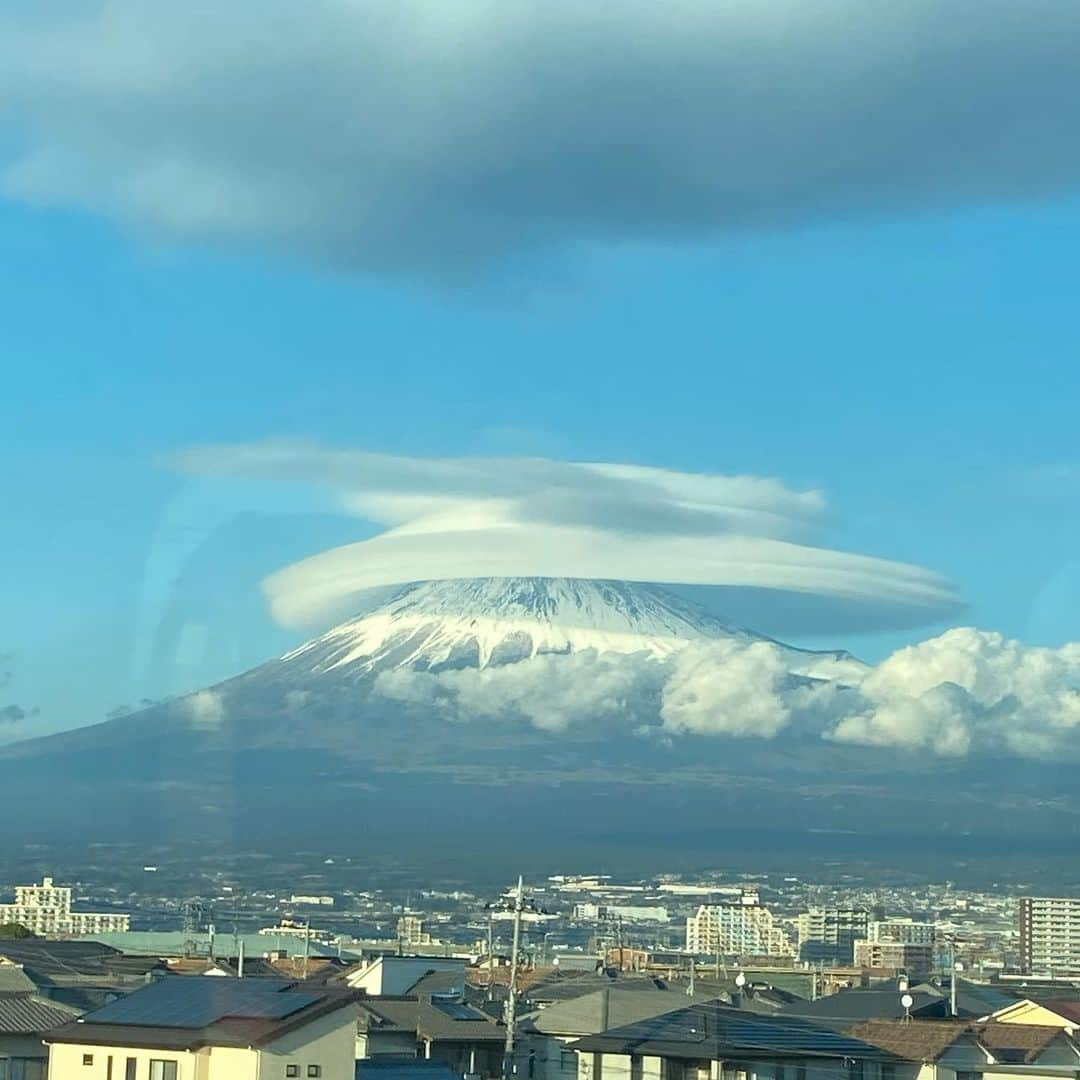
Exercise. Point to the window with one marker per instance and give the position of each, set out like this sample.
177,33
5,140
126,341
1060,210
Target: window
130,1066
88,1059
292,1070
162,1070
314,1070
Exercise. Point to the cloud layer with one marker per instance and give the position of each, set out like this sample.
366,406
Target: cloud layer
422,135
965,692
505,517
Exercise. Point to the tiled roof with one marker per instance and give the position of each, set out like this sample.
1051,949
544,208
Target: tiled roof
28,1014
927,1040
1021,1043
13,980
913,1040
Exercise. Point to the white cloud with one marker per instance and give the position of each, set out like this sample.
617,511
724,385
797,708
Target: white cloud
508,517
552,692
966,692
970,689
727,689
206,710
420,135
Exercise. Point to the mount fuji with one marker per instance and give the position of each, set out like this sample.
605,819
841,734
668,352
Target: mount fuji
487,622
307,743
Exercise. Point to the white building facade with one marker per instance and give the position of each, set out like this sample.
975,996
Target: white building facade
46,909
737,929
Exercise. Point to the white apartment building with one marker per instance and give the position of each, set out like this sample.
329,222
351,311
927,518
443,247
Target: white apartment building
1050,936
46,909
737,929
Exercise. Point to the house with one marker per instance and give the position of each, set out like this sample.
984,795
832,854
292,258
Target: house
394,975
545,1035
715,1042
435,1029
84,974
211,1028
1053,1012
947,1050
25,1016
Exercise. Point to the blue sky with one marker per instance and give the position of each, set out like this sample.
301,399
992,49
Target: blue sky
793,241
918,371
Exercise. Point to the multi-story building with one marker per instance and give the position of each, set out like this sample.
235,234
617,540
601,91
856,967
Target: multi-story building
46,909
591,912
895,956
737,929
903,931
1050,936
412,931
830,933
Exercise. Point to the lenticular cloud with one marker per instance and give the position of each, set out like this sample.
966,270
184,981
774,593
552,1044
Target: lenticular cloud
507,517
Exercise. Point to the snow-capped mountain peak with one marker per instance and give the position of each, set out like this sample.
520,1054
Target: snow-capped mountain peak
481,622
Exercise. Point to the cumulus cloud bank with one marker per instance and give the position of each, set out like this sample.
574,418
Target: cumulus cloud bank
506,517
967,691
422,135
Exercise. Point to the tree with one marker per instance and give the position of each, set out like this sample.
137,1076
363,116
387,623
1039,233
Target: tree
14,930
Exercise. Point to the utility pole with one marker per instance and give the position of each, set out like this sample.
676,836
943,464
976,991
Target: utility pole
952,977
511,996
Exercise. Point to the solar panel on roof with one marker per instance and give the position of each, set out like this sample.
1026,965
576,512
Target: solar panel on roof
195,1002
457,1011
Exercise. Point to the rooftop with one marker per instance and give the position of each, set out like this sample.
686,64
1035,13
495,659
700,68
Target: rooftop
716,1032
185,1012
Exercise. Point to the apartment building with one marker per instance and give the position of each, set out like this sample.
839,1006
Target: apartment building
830,933
46,909
895,956
745,929
1050,936
903,931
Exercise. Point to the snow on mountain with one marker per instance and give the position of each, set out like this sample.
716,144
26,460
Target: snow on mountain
482,622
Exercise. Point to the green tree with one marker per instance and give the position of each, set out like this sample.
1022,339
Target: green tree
14,930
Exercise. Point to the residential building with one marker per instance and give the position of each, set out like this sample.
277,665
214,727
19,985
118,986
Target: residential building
712,1042
894,956
411,931
45,910
436,1029
745,929
25,1016
903,931
1050,936
1045,1012
395,975
546,1033
829,934
932,1050
205,1028
81,973
591,912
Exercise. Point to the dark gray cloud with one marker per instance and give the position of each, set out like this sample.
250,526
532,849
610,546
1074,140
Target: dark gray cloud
424,135
14,714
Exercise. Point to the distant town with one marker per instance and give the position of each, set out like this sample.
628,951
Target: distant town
557,976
